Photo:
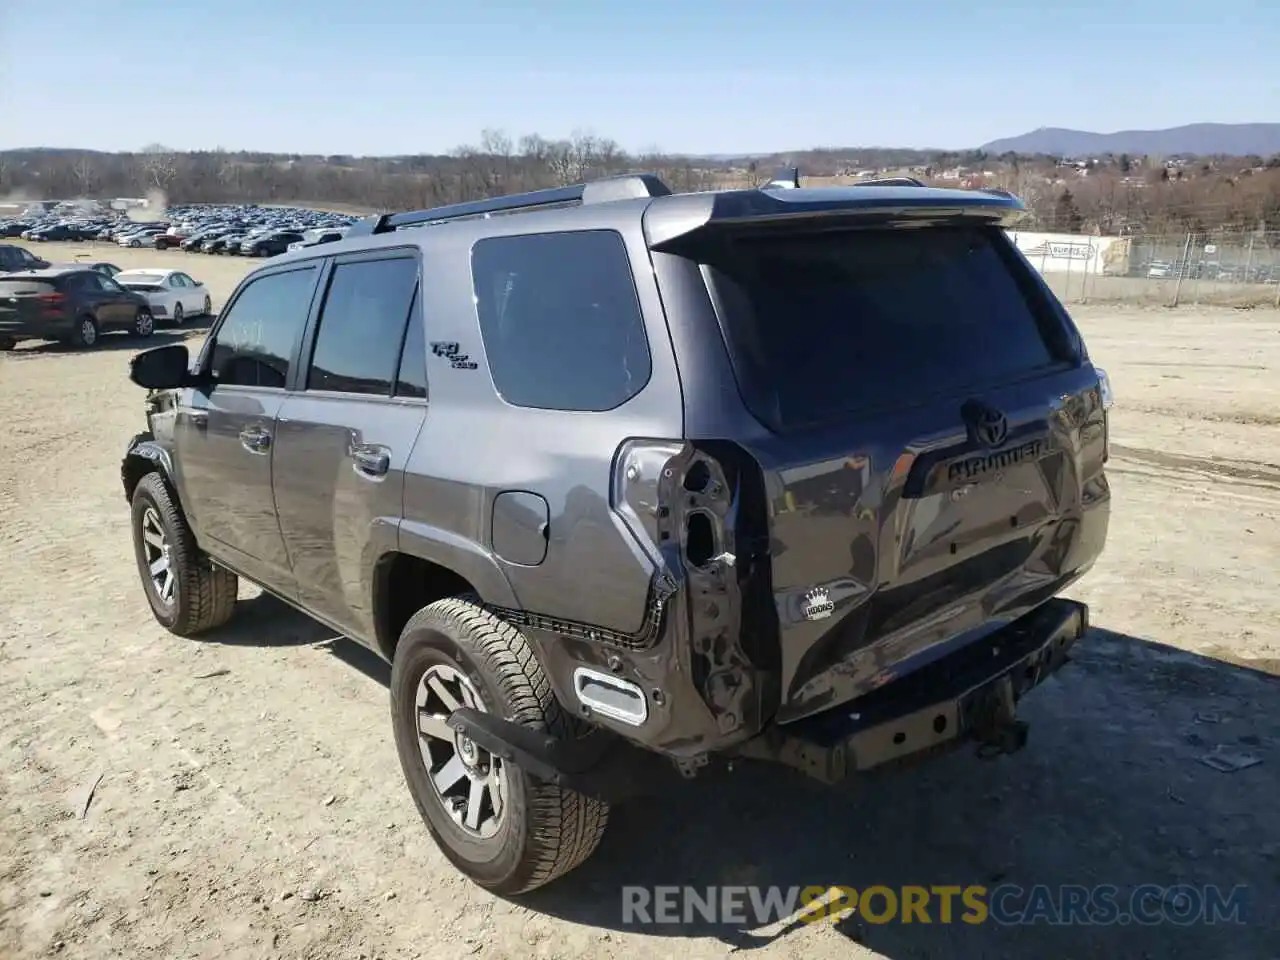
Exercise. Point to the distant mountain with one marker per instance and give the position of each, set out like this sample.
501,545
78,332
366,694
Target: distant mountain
1203,139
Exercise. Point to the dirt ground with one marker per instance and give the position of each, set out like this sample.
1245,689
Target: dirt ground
248,801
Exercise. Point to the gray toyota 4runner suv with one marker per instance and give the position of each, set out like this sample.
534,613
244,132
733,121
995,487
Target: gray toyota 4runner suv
622,481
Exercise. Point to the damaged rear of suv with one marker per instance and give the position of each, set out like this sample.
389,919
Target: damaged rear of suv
786,474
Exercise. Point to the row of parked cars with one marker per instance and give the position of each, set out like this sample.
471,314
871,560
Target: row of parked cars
245,230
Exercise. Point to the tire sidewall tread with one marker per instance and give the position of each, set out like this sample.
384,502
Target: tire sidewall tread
548,830
206,594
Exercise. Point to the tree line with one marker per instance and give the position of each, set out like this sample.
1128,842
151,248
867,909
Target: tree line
1104,195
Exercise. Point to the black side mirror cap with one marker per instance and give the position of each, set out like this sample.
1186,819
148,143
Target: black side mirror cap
162,368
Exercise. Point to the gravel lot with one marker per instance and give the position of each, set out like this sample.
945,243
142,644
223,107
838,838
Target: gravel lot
250,803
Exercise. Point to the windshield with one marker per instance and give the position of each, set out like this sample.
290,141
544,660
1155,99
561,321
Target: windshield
832,324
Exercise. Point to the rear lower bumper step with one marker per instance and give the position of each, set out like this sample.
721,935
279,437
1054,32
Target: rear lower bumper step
968,696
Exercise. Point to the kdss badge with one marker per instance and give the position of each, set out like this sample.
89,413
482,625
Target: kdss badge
817,605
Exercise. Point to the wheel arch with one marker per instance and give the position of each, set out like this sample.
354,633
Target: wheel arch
145,456
424,570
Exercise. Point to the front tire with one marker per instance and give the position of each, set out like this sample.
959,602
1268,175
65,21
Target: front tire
452,652
187,593
179,316
208,306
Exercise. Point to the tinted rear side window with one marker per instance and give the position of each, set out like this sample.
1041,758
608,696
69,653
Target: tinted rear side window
362,325
828,325
560,320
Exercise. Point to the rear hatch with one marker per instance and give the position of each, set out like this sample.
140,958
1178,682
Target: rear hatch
27,300
934,438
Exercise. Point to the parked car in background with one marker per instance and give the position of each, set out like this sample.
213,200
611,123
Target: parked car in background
270,245
74,305
139,238
19,258
317,238
172,294
100,266
220,244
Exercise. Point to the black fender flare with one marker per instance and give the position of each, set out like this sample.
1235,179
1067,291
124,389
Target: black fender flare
142,456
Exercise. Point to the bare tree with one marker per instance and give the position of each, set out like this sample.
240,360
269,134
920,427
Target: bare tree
85,173
159,166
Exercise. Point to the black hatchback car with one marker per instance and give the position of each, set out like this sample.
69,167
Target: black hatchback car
72,305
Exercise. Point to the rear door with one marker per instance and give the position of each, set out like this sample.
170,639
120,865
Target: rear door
932,440
344,436
225,433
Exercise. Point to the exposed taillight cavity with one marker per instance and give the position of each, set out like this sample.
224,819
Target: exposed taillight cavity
638,474
671,495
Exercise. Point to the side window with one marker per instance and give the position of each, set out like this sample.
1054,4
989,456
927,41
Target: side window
362,325
561,323
7,260
412,378
175,280
255,341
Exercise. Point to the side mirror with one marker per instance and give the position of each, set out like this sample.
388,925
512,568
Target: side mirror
162,368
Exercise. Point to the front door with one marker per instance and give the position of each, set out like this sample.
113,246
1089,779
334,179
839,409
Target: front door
225,433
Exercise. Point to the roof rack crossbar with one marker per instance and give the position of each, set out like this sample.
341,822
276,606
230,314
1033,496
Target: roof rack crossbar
629,186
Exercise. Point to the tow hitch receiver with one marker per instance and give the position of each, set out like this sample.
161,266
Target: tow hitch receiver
969,695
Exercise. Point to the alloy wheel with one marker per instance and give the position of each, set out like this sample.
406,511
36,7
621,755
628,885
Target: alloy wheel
155,546
470,783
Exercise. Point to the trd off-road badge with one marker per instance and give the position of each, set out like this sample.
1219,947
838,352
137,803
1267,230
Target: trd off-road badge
452,352
817,605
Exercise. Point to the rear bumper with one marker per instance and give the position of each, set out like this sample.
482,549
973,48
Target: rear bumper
970,695
49,328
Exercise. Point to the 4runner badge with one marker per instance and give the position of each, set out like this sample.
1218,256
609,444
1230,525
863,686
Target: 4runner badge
817,605
452,352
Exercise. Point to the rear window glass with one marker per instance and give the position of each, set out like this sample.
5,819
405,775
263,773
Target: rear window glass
14,288
141,278
824,325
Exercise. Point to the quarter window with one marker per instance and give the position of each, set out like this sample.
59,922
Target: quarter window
560,319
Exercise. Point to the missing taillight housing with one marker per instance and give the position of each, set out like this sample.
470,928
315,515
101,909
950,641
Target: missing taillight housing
699,539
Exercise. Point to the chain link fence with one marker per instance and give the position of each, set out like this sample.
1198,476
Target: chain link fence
1223,268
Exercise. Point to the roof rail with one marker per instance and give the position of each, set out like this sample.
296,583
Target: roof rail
891,182
626,187
788,178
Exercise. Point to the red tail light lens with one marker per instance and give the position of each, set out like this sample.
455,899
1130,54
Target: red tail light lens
51,300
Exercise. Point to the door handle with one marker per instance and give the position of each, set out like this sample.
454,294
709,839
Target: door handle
255,439
373,461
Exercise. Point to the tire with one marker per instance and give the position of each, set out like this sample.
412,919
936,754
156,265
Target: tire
86,332
544,831
208,306
178,315
144,323
137,244
203,596
7,344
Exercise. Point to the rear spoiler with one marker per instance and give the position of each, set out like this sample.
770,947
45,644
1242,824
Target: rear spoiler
671,220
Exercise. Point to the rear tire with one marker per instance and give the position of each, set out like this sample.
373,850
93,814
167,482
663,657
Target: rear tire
178,315
197,596
7,343
542,831
85,332
144,323
208,306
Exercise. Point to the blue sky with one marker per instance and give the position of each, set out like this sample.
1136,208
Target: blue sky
715,76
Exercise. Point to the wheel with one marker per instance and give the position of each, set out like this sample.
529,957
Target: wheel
208,306
178,318
505,830
85,333
187,593
135,243
7,343
144,324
